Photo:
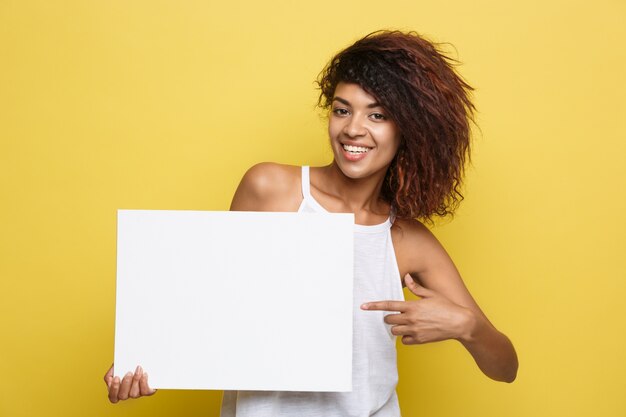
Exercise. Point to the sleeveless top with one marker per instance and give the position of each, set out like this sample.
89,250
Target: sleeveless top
374,366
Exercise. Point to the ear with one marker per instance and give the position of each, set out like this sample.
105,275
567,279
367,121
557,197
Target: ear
417,289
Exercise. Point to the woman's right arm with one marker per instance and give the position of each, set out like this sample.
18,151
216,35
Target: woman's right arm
133,385
264,187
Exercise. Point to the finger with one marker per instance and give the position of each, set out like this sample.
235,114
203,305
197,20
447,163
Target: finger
114,390
144,387
409,340
385,306
415,288
396,319
400,330
108,377
134,387
125,386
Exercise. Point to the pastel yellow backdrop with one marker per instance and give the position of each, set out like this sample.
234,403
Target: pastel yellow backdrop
163,105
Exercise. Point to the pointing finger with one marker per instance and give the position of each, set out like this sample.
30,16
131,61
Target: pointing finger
385,306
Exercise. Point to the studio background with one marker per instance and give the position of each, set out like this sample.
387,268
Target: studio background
164,105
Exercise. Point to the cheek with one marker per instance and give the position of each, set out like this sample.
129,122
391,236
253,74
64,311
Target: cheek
395,139
333,129
392,145
396,144
388,138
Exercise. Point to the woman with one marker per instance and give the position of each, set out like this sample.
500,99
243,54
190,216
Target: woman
399,128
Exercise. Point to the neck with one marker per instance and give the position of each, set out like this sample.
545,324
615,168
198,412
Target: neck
357,195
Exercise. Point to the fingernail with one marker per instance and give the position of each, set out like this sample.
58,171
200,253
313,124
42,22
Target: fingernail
128,375
137,369
364,306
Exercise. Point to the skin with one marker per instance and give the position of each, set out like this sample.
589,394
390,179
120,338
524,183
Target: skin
133,385
445,309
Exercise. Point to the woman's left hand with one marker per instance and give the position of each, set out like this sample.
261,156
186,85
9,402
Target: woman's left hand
430,319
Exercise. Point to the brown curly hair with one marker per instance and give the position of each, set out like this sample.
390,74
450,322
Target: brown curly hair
415,82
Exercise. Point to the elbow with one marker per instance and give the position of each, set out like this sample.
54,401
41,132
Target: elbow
509,363
510,373
513,374
510,377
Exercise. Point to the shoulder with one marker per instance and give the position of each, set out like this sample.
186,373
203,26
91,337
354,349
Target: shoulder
271,180
412,232
417,248
268,187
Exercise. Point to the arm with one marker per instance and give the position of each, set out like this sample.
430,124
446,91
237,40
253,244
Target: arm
263,188
446,309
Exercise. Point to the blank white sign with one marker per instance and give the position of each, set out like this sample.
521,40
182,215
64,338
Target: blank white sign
235,300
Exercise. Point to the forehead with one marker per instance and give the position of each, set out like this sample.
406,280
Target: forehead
353,93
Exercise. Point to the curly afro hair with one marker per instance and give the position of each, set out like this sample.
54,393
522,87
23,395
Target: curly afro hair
415,82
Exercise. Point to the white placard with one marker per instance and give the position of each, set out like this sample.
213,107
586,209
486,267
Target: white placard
235,300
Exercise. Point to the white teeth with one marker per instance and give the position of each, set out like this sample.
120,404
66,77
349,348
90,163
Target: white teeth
355,149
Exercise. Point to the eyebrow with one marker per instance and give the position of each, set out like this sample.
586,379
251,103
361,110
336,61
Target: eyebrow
347,103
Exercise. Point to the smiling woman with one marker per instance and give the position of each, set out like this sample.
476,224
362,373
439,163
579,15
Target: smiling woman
399,127
364,140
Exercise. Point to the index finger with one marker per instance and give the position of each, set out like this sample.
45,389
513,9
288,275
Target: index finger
385,306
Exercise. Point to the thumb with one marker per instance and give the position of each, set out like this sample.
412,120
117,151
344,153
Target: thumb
108,377
415,288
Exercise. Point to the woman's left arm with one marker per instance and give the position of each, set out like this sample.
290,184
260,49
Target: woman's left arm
446,309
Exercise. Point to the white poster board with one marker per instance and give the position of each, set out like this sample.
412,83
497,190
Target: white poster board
235,300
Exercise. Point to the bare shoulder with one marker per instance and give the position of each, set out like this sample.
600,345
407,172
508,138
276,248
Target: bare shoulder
412,233
268,187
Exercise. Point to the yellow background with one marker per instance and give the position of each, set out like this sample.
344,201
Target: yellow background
164,105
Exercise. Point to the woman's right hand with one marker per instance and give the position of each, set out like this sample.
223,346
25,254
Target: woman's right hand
133,385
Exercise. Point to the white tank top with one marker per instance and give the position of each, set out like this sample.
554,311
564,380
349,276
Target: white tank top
374,365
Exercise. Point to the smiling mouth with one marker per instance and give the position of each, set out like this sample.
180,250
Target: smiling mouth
356,150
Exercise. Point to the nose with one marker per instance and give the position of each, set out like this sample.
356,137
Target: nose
354,127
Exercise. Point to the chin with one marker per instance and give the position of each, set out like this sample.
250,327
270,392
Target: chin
357,171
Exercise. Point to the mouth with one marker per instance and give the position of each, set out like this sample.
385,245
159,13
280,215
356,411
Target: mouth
355,150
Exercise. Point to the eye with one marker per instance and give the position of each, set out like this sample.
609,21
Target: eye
340,111
378,116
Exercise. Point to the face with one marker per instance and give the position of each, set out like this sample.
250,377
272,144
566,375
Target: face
363,138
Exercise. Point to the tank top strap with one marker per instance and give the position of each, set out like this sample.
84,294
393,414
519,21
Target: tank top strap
309,204
306,187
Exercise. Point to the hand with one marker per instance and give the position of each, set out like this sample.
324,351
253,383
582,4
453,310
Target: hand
430,319
131,386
